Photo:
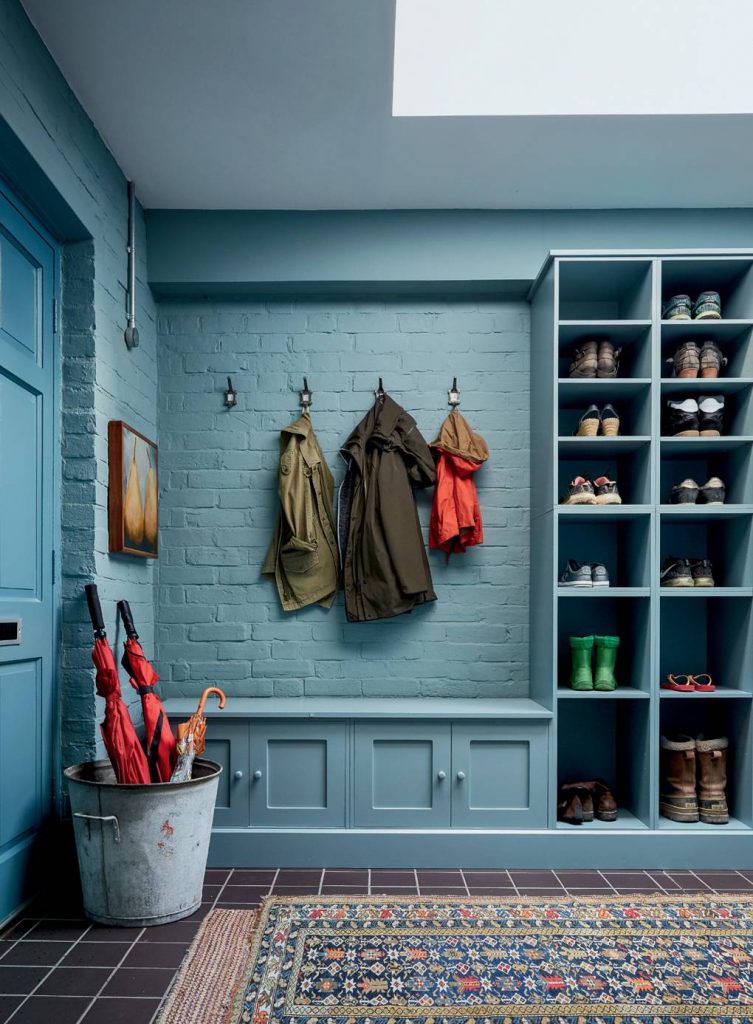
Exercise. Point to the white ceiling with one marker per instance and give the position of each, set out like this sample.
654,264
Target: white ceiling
287,104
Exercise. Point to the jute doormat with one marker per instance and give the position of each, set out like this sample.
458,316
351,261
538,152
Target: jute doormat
511,960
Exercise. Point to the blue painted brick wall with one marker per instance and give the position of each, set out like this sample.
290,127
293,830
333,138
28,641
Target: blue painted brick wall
218,621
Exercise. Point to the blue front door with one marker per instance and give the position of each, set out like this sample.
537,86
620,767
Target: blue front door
27,519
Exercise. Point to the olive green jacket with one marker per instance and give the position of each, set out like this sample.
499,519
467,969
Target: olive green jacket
303,558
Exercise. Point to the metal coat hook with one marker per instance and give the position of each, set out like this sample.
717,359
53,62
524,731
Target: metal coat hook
306,396
380,392
453,395
231,395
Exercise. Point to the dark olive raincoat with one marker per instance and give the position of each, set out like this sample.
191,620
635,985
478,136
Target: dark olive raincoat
385,568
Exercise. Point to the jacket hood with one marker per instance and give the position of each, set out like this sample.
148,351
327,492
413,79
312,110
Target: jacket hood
456,437
379,424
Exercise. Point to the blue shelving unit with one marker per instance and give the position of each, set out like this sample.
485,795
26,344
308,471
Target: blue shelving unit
619,296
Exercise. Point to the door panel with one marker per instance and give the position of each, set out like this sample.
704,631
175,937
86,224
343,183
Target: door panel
298,773
499,774
227,743
398,774
28,267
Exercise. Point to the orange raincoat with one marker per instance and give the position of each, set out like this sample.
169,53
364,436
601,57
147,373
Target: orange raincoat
455,514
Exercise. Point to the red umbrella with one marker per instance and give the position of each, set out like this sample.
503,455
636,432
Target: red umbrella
118,734
160,742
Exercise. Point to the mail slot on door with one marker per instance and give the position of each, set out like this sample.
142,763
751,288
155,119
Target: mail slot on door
10,632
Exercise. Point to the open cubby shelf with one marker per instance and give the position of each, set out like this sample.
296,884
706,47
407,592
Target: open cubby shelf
616,735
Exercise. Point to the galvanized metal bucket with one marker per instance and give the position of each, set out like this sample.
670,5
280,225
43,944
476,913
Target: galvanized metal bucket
142,850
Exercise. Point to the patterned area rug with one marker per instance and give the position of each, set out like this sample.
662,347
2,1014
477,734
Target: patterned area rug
423,960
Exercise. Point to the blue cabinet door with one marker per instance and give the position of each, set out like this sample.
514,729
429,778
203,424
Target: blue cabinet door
28,267
298,771
227,743
499,775
402,774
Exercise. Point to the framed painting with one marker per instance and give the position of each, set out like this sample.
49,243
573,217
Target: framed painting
133,497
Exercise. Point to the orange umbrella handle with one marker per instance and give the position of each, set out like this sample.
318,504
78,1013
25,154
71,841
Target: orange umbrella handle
205,694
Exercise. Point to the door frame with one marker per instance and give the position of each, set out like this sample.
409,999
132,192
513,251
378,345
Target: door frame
55,755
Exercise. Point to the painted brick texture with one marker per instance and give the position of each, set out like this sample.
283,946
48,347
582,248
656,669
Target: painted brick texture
218,620
101,379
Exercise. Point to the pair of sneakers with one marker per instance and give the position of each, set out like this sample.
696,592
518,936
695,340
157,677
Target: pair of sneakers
708,306
688,492
691,417
686,572
601,491
592,574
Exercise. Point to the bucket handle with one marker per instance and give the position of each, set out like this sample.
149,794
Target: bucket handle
100,817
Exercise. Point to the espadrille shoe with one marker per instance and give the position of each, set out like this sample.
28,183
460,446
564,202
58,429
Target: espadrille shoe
610,421
713,492
711,763
608,360
585,359
606,491
686,362
677,795
679,307
580,492
590,422
711,359
685,493
708,306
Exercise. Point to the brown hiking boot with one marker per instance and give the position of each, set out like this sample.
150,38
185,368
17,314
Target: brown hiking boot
711,359
711,758
585,360
677,795
686,362
608,360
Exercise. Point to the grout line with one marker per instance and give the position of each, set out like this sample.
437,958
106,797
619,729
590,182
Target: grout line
708,887
110,975
462,875
273,883
321,882
558,879
514,883
52,968
418,887
369,883
614,890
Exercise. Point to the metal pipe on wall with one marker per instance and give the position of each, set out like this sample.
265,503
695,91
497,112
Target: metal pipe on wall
131,334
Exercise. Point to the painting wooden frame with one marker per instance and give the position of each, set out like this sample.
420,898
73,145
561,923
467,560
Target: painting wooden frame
133,501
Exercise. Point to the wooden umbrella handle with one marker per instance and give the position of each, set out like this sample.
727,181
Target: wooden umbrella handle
205,694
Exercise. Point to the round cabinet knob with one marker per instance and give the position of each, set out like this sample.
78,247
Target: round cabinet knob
461,776
441,775
257,774
238,775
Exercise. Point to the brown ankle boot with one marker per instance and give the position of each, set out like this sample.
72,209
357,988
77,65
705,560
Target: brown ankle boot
677,796
711,759
606,805
569,808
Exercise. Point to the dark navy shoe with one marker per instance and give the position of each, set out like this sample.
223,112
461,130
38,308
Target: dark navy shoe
711,410
599,575
713,492
702,572
676,572
685,493
576,575
708,306
679,307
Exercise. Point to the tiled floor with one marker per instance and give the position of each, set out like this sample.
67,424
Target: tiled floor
55,966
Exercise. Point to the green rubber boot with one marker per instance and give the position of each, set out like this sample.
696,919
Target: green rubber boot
606,657
581,677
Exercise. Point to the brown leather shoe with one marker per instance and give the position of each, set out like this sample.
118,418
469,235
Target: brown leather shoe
711,760
569,808
585,359
596,798
608,360
582,792
677,795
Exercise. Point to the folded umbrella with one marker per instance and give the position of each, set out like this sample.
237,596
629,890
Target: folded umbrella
118,733
160,742
191,737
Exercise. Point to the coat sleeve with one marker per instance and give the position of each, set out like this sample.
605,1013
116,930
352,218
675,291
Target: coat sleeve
298,549
418,457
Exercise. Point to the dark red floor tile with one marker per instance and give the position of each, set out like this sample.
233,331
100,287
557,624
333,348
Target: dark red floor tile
630,880
349,876
534,879
586,891
105,933
345,890
397,876
216,876
635,890
688,882
74,981
17,929
394,890
442,890
724,879
178,931
299,876
490,890
253,876
495,879
51,1010
19,981
139,981
121,1011
95,954
156,954
235,906
198,915
242,894
34,954
449,877
58,930
542,891
582,880
210,893
295,890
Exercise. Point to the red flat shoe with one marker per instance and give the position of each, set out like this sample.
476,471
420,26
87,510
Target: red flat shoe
702,687
674,683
